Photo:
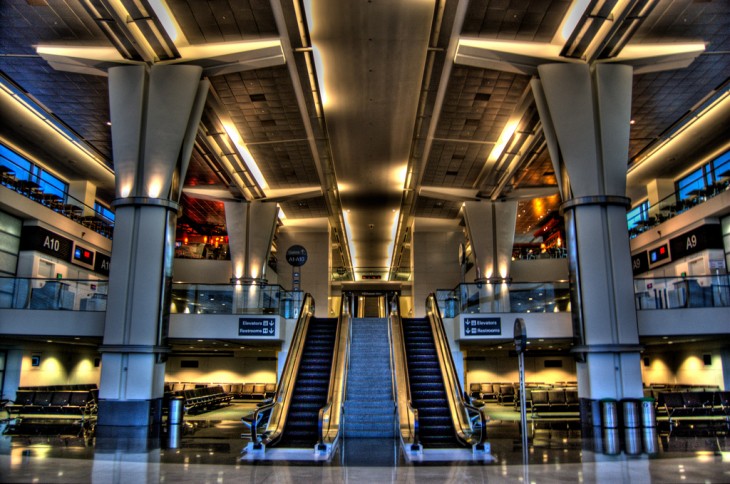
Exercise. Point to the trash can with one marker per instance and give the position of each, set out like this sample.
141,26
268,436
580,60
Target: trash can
176,411
630,411
609,413
648,412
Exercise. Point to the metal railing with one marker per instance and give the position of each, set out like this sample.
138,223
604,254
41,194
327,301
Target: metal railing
279,406
190,298
682,292
504,297
330,415
66,294
407,415
673,205
56,198
470,431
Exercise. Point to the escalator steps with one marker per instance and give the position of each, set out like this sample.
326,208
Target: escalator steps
310,389
428,395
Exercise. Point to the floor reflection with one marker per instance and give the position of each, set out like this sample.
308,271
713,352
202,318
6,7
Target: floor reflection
210,451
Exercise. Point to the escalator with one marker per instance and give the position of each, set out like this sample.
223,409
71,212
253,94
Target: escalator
428,396
306,410
432,410
310,389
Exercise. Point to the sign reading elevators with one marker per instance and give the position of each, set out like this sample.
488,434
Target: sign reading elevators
249,326
482,326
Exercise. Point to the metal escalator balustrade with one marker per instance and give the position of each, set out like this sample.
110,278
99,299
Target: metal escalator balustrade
307,407
312,384
428,396
437,414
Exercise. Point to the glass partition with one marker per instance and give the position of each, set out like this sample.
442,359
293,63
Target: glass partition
235,299
68,294
514,297
682,292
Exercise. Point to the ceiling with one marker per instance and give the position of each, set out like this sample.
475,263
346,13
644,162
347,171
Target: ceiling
368,105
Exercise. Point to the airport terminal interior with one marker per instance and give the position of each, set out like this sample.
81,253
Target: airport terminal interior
364,241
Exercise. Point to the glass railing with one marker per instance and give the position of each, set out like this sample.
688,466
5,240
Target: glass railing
514,297
682,292
68,294
45,192
235,299
673,205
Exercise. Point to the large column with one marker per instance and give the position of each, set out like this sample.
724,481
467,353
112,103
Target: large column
155,114
585,113
85,192
251,228
491,228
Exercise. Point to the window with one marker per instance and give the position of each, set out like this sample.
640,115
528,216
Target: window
721,167
103,211
25,170
638,214
692,182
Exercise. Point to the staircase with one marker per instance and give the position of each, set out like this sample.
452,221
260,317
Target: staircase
312,384
436,429
369,405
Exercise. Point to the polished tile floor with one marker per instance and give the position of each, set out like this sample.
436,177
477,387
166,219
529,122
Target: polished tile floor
208,450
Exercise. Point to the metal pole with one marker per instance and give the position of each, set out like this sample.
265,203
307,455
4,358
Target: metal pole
523,406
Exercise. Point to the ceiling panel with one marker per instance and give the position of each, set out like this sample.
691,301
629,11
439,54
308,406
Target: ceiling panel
522,20
204,21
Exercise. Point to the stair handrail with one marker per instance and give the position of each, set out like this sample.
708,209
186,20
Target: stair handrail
459,408
407,415
330,416
279,405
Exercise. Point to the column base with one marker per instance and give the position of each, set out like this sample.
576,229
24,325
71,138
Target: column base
130,413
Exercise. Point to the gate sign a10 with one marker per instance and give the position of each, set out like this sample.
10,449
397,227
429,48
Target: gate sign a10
296,255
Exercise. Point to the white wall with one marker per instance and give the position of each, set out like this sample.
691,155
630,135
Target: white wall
59,366
229,369
435,264
497,366
315,273
683,366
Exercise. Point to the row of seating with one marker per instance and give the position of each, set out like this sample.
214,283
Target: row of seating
206,398
243,391
55,388
554,400
694,404
62,403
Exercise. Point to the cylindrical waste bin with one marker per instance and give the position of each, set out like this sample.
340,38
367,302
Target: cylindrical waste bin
648,412
609,413
176,411
630,412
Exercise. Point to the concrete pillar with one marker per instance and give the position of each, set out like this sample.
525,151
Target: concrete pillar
660,190
251,227
491,229
155,114
83,194
585,113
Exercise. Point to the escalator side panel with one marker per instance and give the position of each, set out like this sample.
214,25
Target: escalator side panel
428,395
312,384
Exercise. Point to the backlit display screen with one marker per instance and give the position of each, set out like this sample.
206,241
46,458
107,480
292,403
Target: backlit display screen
85,256
658,254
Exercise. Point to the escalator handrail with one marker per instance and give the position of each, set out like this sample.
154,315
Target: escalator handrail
459,408
282,399
409,433
328,421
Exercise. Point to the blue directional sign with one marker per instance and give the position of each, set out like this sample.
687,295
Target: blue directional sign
257,327
482,326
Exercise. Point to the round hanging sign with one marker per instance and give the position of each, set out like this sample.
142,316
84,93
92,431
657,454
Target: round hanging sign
296,255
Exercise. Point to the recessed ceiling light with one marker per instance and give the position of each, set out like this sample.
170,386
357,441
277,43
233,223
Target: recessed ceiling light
49,341
200,341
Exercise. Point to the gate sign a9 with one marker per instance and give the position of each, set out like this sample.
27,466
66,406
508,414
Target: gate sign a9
296,255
